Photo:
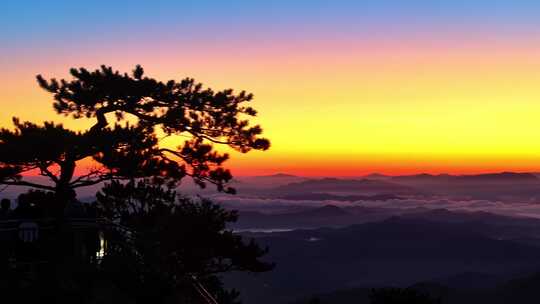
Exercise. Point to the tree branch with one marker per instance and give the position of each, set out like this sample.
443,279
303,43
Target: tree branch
86,177
28,184
96,181
43,167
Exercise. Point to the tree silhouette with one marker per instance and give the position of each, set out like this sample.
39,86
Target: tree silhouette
55,151
177,237
124,150
169,239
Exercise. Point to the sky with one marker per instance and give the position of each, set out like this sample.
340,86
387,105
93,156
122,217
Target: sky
343,88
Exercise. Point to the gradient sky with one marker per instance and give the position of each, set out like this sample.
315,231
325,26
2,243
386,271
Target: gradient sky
342,87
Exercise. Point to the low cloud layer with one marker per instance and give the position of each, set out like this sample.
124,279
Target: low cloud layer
392,206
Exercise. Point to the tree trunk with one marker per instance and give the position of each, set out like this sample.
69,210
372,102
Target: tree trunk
64,193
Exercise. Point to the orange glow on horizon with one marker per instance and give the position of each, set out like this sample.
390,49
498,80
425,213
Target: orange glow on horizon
342,108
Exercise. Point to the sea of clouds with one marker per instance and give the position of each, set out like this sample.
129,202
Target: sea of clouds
398,206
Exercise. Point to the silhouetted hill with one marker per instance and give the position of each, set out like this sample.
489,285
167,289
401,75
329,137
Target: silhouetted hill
277,175
500,177
505,177
377,176
470,280
522,290
253,183
524,230
519,229
445,215
505,186
328,215
395,252
327,210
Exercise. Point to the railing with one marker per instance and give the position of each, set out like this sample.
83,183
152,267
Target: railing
20,237
207,296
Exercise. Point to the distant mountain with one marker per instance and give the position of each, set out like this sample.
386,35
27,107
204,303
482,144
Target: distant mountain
423,177
500,177
503,177
266,181
470,280
277,175
505,186
396,252
447,216
524,230
377,176
328,215
327,210
350,186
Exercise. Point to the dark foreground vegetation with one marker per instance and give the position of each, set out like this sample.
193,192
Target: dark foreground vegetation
523,290
158,254
139,242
